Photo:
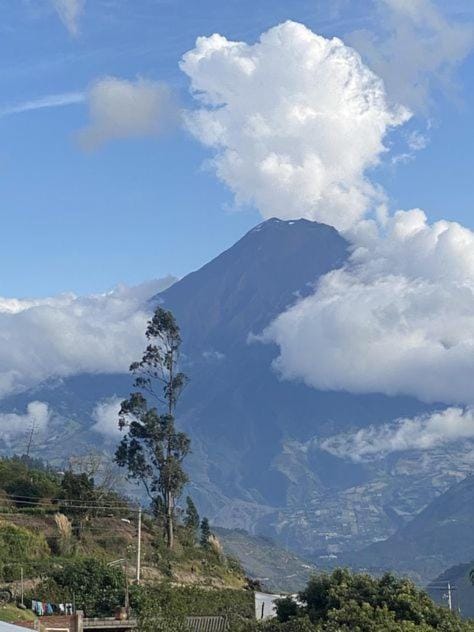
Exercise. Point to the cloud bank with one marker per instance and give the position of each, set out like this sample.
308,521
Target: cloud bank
399,319
13,425
127,109
420,433
70,12
295,122
67,335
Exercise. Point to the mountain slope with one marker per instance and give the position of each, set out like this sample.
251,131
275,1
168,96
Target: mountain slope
242,289
276,568
462,588
440,536
250,429
257,463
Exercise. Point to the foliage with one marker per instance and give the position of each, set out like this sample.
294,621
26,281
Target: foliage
155,613
287,608
27,481
152,450
77,498
205,532
18,545
183,601
347,602
326,593
48,558
97,588
64,526
191,517
471,576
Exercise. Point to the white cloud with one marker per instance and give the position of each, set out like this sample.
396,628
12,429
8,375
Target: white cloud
67,335
212,355
417,50
417,141
49,101
398,319
105,415
127,109
13,425
70,12
295,122
420,433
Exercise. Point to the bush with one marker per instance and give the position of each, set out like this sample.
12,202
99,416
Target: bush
194,601
27,481
349,602
97,588
19,546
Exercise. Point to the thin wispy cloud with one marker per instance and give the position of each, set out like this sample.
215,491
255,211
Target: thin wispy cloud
70,12
48,101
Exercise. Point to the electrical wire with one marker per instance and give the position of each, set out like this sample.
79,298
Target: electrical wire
67,504
63,500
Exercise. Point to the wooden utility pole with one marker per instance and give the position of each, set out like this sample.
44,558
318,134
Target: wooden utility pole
139,544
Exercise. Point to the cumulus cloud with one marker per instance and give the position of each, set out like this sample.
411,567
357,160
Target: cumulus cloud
70,12
127,109
420,433
68,335
105,415
294,120
398,319
14,425
416,50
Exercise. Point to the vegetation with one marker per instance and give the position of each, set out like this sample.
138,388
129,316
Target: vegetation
347,602
152,450
205,532
171,604
11,613
66,534
93,584
60,564
60,561
19,546
86,527
191,519
25,481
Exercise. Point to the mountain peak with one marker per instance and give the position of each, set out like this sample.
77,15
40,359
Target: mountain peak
275,223
245,287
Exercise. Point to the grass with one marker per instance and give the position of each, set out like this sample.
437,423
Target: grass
11,613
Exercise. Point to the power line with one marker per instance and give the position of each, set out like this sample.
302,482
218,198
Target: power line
62,500
67,504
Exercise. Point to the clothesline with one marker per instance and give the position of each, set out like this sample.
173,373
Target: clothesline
42,608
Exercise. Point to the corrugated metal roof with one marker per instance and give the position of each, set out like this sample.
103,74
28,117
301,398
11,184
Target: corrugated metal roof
207,624
9,627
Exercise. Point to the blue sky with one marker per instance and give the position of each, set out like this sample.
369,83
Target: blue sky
138,208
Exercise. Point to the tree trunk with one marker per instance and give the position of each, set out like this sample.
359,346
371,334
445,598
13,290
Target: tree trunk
169,496
169,521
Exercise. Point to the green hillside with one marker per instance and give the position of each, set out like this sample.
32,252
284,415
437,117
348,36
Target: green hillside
54,538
